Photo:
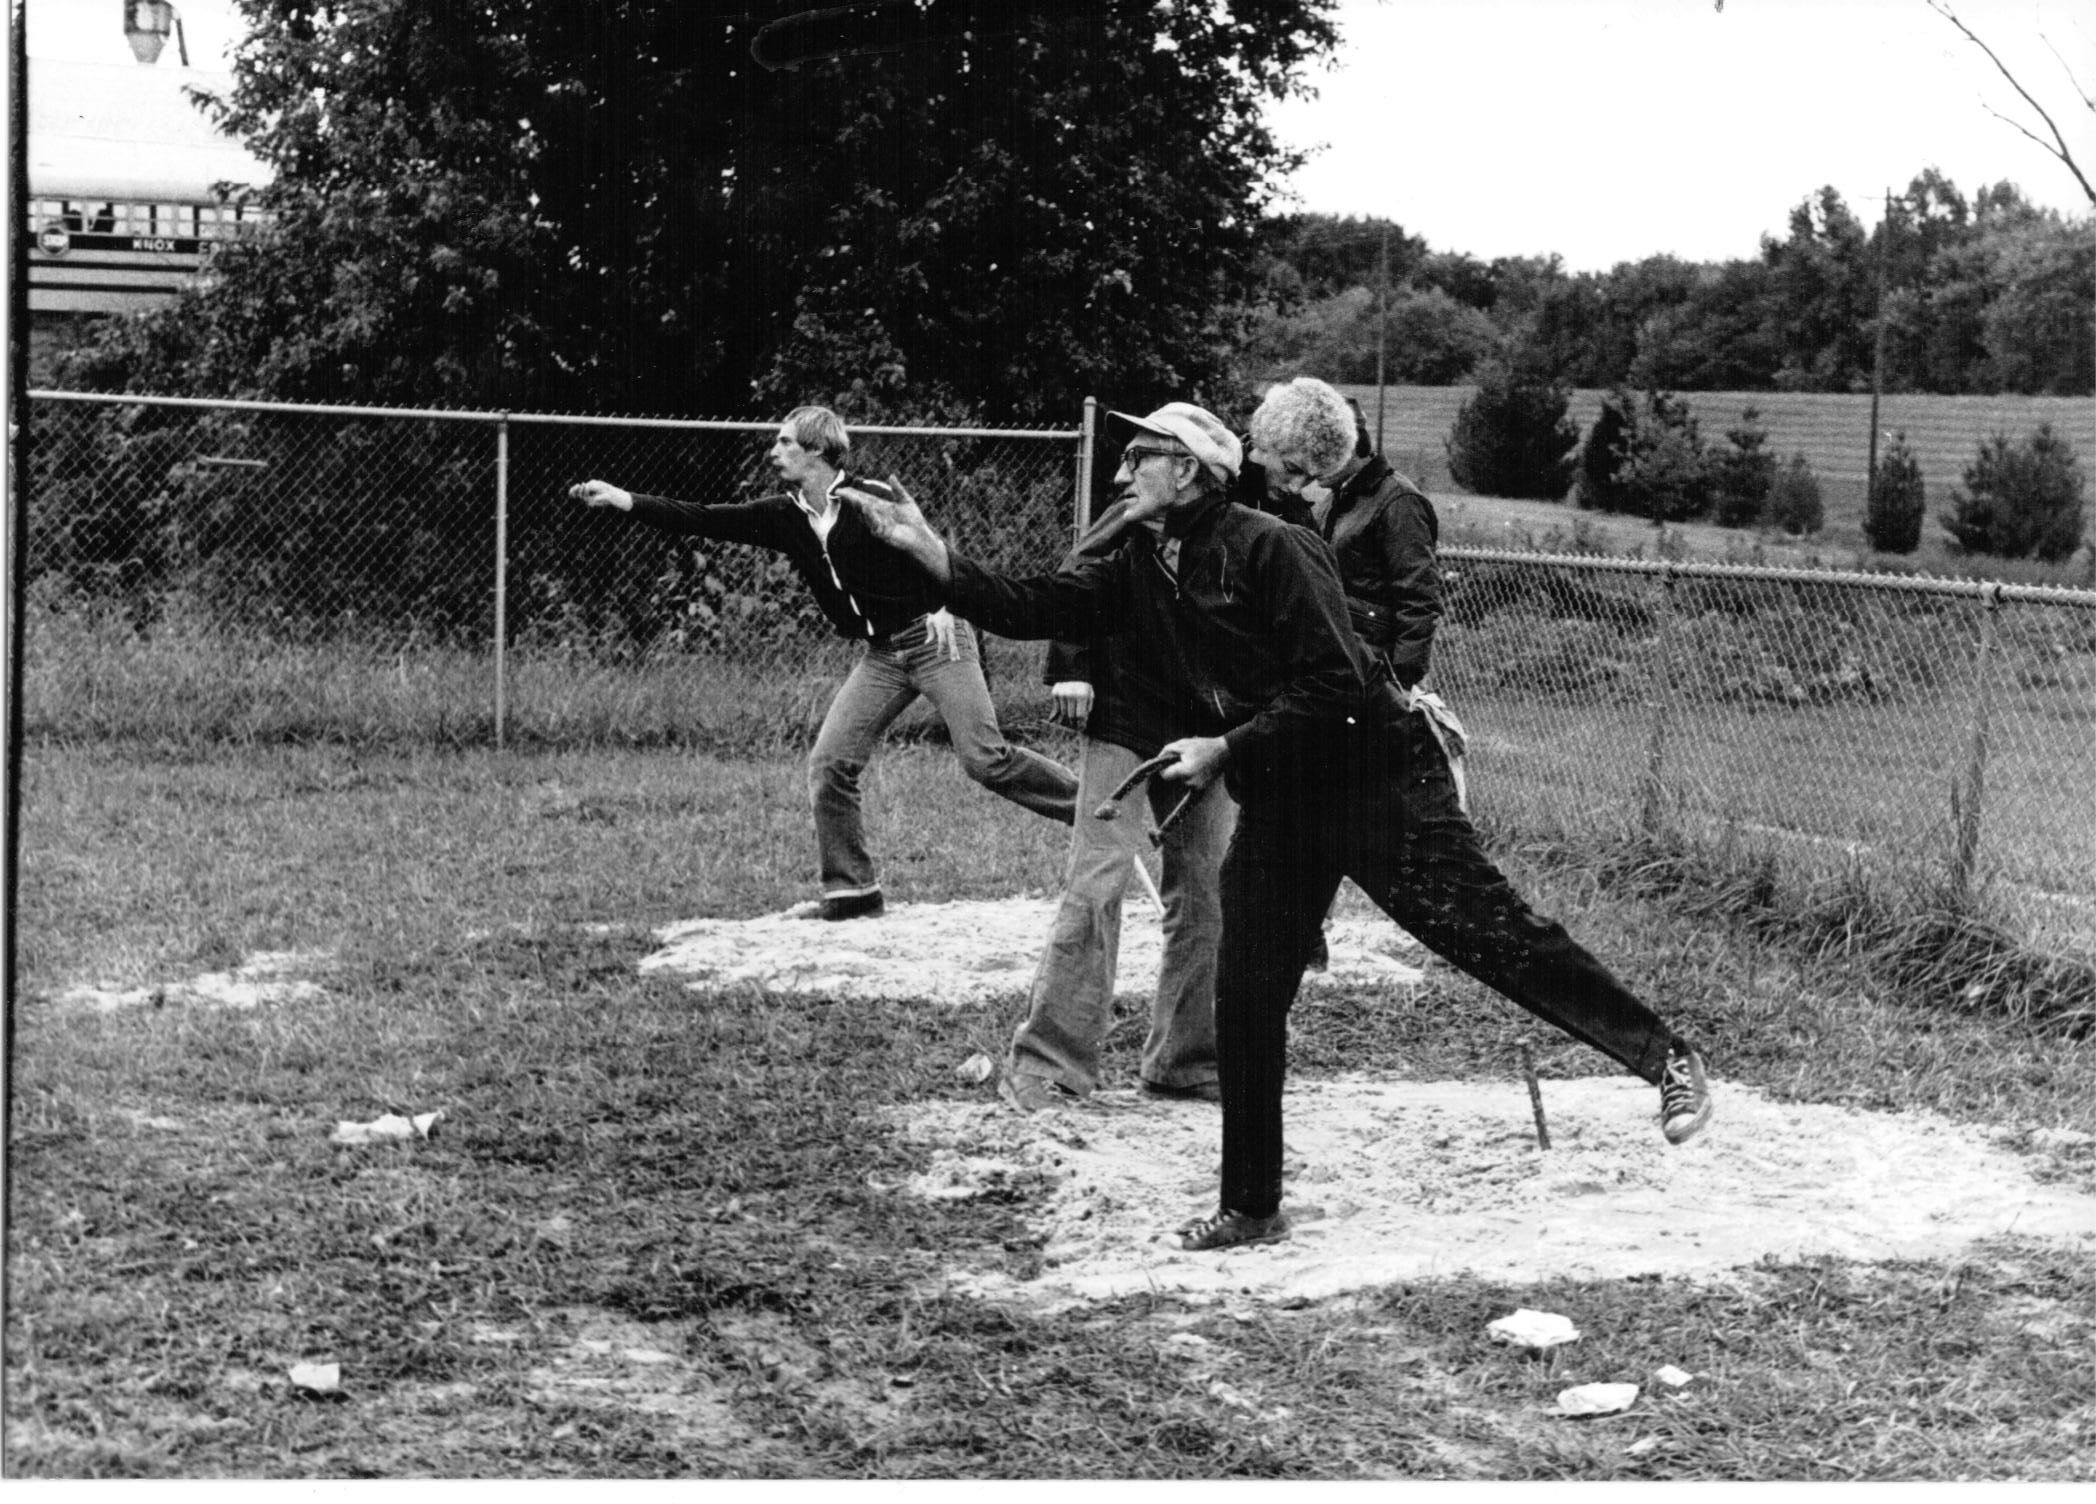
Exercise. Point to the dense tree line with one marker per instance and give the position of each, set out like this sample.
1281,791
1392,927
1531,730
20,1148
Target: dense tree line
1984,295
969,208
964,209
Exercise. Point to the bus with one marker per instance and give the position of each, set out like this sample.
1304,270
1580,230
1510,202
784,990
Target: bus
130,185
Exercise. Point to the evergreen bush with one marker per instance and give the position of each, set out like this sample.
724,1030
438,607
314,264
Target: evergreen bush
1512,437
2020,499
1898,501
1794,500
1604,451
1645,458
1742,475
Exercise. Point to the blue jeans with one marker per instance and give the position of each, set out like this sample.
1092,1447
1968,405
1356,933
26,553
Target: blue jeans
1071,1005
891,673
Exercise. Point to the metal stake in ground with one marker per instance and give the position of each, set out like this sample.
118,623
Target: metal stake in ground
1535,1090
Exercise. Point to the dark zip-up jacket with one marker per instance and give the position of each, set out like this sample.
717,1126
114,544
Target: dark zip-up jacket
1253,626
1138,700
1133,702
1382,530
864,587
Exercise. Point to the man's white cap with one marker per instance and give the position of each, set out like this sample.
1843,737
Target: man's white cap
1200,431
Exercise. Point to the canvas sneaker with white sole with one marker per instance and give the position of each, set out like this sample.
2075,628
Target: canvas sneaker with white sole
1684,1095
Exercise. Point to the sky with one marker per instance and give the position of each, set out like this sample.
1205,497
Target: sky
1601,131
1611,130
91,31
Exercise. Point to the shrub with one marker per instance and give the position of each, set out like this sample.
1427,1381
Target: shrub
1645,458
1742,475
1794,500
2020,499
1512,437
1892,518
1606,445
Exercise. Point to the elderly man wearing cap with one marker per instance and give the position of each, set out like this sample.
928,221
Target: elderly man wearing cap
1127,694
1334,777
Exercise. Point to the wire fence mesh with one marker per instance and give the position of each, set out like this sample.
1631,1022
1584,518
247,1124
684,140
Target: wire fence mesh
405,530
1939,733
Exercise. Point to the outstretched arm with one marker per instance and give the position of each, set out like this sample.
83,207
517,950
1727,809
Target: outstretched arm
900,524
602,493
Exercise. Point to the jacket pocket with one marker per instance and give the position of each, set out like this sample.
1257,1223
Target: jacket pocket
1375,625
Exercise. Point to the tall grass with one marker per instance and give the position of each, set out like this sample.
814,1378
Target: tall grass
189,679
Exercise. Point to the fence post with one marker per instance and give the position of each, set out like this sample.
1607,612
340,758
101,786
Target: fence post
1967,809
1662,708
1087,436
501,575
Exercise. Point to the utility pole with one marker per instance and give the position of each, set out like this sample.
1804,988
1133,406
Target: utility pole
1382,329
1877,360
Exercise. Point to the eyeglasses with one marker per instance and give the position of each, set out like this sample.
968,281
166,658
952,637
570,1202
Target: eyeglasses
1135,454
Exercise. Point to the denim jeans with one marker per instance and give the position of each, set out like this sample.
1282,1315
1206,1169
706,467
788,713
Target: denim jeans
887,677
1382,810
1070,1008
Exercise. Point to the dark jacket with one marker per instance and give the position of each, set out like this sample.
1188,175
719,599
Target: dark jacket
1137,701
1253,628
1382,530
864,587
1133,702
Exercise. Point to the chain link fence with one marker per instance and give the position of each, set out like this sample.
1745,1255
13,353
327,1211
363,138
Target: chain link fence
1941,733
405,530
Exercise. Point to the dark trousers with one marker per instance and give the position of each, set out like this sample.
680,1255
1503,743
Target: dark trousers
1378,806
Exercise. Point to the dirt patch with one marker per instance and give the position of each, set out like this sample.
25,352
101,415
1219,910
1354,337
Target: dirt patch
265,977
967,952
1390,1180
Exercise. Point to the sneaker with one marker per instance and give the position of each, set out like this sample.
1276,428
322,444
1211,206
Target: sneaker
1684,1096
1205,1091
1228,1229
851,906
1036,1093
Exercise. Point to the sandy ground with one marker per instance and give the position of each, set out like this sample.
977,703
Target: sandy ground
962,954
1387,1180
1390,1181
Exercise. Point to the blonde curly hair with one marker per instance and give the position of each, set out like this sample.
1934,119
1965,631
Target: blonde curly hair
1307,421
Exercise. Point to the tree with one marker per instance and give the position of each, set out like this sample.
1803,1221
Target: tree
2020,499
1823,291
1743,474
1572,337
2054,141
1603,453
1898,501
1512,437
612,207
1716,338
1328,254
1794,499
2039,327
1645,456
1433,340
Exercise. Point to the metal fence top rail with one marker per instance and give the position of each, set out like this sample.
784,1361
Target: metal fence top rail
461,415
2052,595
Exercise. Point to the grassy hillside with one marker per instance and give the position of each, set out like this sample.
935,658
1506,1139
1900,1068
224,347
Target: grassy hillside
1832,431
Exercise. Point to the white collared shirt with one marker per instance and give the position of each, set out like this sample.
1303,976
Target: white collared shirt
825,519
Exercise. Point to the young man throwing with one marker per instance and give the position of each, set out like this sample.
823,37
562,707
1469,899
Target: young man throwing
880,598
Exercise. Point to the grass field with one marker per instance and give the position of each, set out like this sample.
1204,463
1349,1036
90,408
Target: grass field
1831,430
689,1179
